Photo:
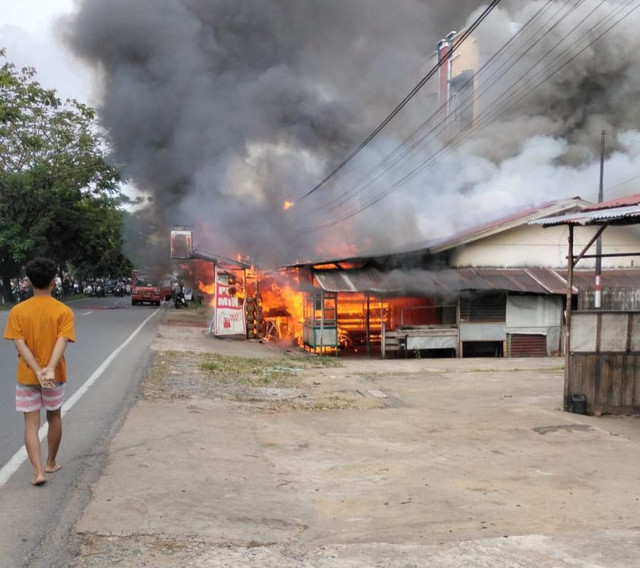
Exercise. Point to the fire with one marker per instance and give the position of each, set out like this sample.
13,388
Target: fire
281,307
208,289
288,205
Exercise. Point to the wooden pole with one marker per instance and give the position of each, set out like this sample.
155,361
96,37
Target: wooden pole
567,333
597,296
321,321
368,325
459,354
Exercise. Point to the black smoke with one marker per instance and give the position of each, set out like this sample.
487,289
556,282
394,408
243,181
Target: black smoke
221,110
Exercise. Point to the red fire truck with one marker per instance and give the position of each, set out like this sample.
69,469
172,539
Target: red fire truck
145,288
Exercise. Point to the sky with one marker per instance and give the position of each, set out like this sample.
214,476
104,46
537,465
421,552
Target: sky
27,32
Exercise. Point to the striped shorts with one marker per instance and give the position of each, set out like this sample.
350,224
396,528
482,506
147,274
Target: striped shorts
30,398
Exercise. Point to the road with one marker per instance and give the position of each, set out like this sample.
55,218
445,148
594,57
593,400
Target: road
104,378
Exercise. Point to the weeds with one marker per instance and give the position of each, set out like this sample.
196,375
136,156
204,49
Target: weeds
283,373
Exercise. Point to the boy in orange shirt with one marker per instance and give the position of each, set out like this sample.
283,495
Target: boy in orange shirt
40,328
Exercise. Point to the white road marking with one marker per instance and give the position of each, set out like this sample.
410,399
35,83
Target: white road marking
87,313
21,455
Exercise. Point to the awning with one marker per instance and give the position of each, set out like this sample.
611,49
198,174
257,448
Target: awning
420,282
217,259
624,215
425,282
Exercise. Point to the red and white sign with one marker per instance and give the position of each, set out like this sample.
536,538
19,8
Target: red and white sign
181,244
228,312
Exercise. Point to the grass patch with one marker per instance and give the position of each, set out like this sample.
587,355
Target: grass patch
325,361
194,313
284,372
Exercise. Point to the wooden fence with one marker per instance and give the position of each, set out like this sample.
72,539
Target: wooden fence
605,361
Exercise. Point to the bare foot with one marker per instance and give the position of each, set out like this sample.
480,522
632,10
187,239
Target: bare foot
38,480
52,468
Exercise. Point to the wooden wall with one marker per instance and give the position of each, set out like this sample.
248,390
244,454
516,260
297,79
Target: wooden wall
609,381
604,364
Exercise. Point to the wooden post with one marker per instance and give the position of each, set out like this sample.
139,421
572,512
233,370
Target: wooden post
383,329
567,332
368,325
321,321
459,354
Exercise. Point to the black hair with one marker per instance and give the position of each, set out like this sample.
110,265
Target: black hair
41,271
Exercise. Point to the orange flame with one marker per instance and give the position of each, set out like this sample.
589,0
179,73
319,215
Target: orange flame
288,205
280,307
208,289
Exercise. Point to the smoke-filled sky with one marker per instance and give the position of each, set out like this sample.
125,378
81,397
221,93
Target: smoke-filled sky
222,110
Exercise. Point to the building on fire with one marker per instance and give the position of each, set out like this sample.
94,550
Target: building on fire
498,289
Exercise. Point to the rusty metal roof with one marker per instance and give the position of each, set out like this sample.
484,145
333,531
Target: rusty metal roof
524,280
619,278
217,259
552,280
407,282
620,202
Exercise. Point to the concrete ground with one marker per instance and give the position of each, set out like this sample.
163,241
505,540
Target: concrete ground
376,463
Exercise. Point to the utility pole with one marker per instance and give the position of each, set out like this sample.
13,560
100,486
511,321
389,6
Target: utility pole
597,300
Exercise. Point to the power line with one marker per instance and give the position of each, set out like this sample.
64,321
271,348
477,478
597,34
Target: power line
402,104
489,117
425,138
418,139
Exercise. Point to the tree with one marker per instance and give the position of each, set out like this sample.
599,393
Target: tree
60,196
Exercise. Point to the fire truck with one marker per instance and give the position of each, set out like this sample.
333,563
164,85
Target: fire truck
145,289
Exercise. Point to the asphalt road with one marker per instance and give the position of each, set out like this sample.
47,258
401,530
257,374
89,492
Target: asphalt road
104,377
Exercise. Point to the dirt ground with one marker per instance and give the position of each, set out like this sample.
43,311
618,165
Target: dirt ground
245,454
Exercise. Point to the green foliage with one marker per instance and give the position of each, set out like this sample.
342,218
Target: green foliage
59,195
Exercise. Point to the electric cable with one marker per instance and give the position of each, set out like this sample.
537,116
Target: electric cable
418,143
441,125
417,170
400,106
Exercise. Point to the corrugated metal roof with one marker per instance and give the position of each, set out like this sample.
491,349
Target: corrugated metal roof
552,280
526,280
619,278
407,282
620,202
353,281
217,259
627,215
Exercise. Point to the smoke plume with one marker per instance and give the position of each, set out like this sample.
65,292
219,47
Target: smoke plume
222,110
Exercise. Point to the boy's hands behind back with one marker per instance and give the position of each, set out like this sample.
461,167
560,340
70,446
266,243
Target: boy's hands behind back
47,378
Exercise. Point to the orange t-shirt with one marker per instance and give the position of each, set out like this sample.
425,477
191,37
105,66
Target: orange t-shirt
39,321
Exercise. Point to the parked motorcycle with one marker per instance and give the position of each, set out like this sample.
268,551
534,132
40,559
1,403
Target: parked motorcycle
180,301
